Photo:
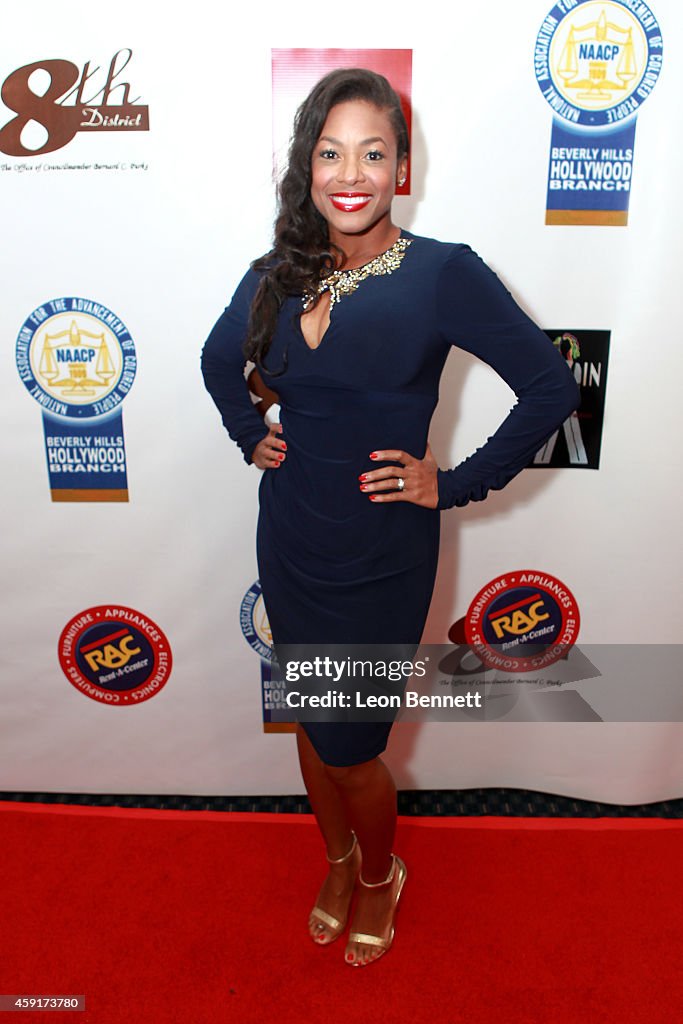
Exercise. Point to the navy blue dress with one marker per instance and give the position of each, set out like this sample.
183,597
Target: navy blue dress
335,567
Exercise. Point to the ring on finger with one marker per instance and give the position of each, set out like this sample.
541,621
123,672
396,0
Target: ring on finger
400,483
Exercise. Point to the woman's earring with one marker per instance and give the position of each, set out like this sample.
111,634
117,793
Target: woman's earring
401,182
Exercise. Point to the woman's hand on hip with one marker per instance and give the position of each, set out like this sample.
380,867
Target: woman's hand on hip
418,476
270,452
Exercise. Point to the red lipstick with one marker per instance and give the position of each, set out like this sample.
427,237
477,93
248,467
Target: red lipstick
350,202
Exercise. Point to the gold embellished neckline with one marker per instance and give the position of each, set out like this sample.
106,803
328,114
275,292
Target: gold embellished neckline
344,282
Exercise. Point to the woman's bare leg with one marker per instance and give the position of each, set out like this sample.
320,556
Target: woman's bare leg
324,798
368,794
363,798
337,890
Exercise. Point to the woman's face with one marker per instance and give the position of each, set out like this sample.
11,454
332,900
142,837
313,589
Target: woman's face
355,169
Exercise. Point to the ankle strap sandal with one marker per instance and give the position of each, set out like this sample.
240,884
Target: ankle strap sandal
383,942
328,927
342,860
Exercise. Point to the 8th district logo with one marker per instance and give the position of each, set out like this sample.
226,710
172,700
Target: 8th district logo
116,656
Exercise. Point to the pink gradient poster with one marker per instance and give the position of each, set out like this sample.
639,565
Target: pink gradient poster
296,71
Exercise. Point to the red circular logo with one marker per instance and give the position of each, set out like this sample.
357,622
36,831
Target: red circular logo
115,655
522,621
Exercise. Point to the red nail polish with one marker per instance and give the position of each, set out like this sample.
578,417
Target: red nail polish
372,497
362,476
363,487
374,455
283,446
280,457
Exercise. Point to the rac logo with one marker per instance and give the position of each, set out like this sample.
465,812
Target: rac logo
113,651
519,618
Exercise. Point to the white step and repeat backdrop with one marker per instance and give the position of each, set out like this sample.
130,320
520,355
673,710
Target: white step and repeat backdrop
136,185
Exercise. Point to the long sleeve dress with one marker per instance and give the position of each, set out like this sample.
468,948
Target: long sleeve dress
336,568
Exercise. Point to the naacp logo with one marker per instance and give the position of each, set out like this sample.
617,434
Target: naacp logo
522,621
115,655
76,358
256,631
596,61
254,622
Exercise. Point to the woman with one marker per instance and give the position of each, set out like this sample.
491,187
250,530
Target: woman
350,319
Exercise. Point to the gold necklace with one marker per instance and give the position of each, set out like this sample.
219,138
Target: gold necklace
344,282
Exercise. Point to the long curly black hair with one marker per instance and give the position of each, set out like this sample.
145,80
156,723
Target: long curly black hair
302,255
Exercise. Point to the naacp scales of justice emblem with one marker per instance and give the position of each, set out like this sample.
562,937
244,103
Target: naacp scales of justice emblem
76,358
597,62
254,622
66,367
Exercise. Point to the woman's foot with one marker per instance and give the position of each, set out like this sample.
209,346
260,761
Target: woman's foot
329,916
372,932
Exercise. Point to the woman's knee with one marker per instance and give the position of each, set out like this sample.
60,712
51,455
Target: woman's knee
352,775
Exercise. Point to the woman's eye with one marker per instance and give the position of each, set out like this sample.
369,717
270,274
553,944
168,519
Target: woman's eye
328,154
375,154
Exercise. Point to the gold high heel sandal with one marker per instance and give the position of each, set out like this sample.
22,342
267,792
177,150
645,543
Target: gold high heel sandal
383,942
335,927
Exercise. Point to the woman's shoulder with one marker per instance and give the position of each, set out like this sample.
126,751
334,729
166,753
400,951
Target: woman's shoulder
434,250
457,270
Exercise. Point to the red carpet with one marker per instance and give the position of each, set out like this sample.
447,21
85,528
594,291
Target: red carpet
170,916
